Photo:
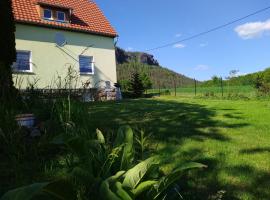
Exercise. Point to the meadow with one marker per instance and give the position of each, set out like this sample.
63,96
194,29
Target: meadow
230,136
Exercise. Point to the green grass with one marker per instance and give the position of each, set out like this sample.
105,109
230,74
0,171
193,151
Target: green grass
232,137
248,91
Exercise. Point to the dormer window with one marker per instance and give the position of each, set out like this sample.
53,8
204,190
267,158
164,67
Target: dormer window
48,14
61,16
55,13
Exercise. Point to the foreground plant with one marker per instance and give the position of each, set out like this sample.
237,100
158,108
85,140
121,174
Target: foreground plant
95,169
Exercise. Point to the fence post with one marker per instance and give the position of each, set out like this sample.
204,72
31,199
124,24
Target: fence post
195,82
222,90
174,87
159,88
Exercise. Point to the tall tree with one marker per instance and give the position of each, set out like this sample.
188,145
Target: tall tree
147,84
8,51
137,85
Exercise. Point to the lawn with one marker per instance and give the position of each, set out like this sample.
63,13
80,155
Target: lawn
232,137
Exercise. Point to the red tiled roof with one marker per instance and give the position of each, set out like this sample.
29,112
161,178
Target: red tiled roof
86,16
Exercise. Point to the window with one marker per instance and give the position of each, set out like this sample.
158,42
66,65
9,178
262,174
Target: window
86,65
61,16
47,14
23,62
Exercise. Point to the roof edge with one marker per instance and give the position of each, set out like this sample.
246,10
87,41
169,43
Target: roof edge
65,28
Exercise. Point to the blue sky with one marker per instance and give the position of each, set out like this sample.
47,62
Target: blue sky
145,24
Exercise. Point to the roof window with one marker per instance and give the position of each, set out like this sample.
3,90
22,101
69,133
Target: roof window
47,14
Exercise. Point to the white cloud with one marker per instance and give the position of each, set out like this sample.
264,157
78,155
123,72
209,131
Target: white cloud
253,29
202,68
178,35
179,46
129,49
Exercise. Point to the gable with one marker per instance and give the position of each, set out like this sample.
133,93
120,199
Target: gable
85,15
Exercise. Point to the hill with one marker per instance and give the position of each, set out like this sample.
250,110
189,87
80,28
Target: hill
143,63
252,79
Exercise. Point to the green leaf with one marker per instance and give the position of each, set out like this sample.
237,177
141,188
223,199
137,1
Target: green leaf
60,190
125,136
174,176
106,193
24,193
100,137
135,175
144,186
121,192
116,176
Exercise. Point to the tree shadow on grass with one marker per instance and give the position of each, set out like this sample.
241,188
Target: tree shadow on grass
256,150
256,184
164,119
172,124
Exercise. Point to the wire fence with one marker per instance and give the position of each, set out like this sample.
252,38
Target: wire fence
206,91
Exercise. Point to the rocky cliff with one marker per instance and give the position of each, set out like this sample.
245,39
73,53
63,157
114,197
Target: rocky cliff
123,56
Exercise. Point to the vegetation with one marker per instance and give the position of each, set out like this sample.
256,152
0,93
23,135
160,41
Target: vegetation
159,77
258,80
8,52
137,87
214,92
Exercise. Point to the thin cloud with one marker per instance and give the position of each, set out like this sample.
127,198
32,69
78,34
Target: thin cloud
201,68
179,46
253,29
178,35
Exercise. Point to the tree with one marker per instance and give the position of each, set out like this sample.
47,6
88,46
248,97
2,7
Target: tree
8,51
147,84
215,80
125,85
136,85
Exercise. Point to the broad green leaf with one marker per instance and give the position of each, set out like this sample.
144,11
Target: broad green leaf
24,193
125,136
100,137
106,193
174,176
135,175
116,176
60,190
121,192
142,187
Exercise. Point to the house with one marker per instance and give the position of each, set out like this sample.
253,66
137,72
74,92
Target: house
63,42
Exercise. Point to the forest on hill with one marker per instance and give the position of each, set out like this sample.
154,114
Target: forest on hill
253,79
129,63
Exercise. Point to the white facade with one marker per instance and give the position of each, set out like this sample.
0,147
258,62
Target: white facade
50,62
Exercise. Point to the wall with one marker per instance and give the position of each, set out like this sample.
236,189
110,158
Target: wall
51,63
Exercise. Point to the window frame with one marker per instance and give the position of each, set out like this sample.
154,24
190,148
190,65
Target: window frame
59,20
15,68
91,65
47,9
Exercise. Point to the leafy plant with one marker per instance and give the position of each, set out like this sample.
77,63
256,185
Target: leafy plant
93,167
